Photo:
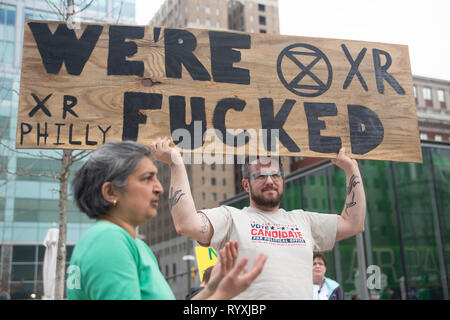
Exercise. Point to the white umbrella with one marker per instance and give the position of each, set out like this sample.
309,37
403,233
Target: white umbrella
49,266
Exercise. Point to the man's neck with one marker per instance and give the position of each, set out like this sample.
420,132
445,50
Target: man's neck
263,208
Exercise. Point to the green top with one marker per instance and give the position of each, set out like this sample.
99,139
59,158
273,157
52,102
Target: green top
108,264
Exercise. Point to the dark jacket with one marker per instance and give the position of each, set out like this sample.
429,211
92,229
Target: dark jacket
335,291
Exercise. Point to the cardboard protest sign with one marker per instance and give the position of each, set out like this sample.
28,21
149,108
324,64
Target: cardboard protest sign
216,92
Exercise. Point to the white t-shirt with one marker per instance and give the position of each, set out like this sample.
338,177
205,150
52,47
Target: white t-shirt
287,238
320,291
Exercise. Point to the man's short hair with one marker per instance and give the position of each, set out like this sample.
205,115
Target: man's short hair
245,168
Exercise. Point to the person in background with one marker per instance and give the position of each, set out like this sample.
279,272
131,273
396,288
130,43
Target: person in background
195,290
119,188
324,288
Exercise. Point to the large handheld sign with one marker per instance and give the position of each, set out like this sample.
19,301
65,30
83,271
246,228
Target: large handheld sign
215,91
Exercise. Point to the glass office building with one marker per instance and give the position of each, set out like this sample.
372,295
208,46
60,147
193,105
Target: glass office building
29,198
407,233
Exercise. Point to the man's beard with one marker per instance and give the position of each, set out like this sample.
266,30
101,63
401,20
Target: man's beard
264,202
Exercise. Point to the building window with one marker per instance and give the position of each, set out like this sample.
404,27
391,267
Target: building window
217,11
208,22
125,9
6,88
2,204
261,7
7,36
437,137
213,166
4,129
214,196
262,31
207,10
415,94
224,181
427,97
262,20
213,181
441,98
423,136
7,15
203,180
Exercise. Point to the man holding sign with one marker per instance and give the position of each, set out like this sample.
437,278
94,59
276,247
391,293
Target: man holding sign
288,238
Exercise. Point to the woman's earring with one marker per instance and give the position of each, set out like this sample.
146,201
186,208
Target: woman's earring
114,202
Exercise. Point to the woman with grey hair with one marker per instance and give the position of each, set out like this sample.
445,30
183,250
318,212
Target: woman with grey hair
118,187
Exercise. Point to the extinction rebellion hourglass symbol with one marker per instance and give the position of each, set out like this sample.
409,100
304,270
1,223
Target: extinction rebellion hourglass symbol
305,83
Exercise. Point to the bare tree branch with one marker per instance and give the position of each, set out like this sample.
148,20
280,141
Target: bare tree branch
120,12
55,8
29,174
41,154
84,8
82,155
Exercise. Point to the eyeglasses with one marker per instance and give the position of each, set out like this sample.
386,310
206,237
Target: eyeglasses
262,178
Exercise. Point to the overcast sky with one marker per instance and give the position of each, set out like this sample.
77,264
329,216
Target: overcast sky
423,25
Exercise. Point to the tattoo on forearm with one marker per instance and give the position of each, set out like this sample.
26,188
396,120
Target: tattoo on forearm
352,184
174,197
350,204
205,226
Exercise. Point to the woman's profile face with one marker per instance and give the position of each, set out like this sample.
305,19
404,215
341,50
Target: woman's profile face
141,195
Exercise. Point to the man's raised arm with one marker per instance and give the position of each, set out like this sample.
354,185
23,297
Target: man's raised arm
187,220
351,220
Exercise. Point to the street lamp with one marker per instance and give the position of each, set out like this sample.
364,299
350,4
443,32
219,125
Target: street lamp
188,258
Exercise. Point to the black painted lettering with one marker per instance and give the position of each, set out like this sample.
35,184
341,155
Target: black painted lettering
382,74
177,105
58,134
156,32
270,121
40,134
25,128
223,56
63,45
318,143
68,103
40,105
71,141
179,47
132,103
220,112
354,68
366,129
104,131
87,142
119,50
